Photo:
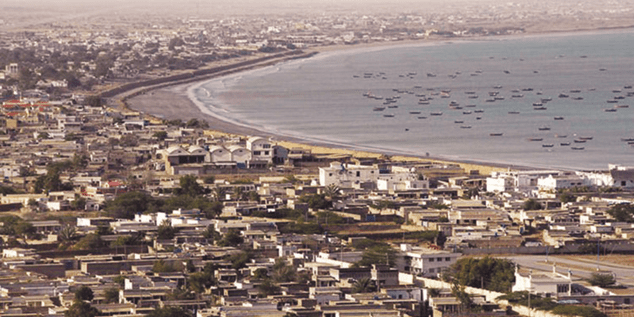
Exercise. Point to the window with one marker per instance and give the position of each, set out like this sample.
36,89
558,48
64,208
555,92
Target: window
266,146
256,152
439,259
266,152
431,259
358,174
447,259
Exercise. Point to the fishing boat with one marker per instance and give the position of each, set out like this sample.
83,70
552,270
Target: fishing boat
562,95
586,138
536,139
496,134
436,113
414,112
564,144
612,101
543,128
422,117
621,106
548,145
473,97
514,112
391,115
378,108
579,141
466,112
559,118
577,148
610,110
465,127
458,121
540,108
478,111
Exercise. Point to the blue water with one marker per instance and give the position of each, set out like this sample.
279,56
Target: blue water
321,99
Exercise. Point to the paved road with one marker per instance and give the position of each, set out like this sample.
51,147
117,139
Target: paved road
581,268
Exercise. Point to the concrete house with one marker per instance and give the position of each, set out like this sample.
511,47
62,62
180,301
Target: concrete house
261,149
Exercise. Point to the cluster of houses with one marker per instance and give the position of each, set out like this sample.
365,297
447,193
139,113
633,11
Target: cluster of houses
473,212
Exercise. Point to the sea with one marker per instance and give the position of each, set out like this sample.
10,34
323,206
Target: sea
560,101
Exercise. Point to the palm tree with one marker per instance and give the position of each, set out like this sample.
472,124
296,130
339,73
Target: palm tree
284,274
331,191
238,193
67,234
219,193
362,285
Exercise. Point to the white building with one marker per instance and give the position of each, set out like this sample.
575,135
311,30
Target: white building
549,284
554,183
261,149
344,175
426,262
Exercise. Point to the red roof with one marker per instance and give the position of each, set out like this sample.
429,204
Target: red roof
14,113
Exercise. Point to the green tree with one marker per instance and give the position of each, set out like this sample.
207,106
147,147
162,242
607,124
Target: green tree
160,135
84,293
199,282
189,186
282,272
209,179
316,201
91,241
111,295
622,212
219,193
363,285
240,260
81,309
332,191
261,274
567,198
166,231
493,274
161,266
128,204
79,203
268,287
25,229
119,280
232,238
601,280
67,234
532,204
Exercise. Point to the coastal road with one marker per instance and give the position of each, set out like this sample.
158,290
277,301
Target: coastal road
580,267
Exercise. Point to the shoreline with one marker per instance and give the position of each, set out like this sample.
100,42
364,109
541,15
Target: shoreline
172,102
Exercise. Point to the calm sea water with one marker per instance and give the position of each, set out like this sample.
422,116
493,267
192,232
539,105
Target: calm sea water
322,99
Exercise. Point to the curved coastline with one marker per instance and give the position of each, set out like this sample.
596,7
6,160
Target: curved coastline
223,124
